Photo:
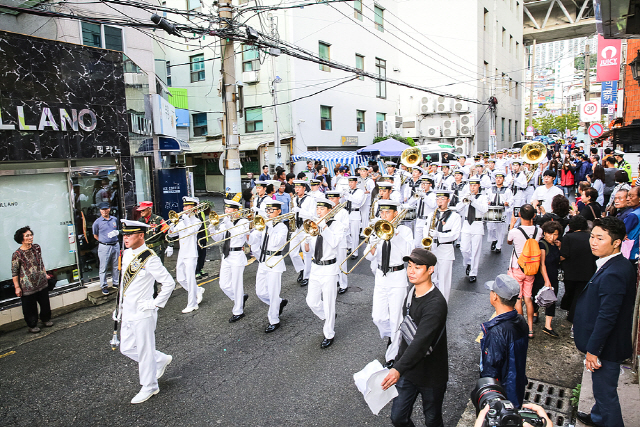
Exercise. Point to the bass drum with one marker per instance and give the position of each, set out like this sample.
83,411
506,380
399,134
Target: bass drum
494,214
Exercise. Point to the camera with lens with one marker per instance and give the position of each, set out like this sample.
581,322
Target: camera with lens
502,412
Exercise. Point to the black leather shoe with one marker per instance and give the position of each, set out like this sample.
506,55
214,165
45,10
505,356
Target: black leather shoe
468,269
326,342
342,290
283,304
498,251
300,276
245,297
272,328
389,343
305,282
354,256
472,279
236,317
585,419
338,284
458,245
535,318
389,364
493,245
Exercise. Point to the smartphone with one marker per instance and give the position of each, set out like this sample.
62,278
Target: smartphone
516,211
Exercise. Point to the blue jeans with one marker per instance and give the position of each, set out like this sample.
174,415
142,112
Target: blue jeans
402,408
108,255
606,411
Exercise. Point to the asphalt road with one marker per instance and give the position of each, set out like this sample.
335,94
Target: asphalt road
230,374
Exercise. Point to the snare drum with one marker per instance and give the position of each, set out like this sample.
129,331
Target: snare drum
494,214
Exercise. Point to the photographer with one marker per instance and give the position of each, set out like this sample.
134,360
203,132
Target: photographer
536,408
504,344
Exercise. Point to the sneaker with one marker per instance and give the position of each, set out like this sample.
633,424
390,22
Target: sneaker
200,292
34,330
572,332
48,324
105,292
143,396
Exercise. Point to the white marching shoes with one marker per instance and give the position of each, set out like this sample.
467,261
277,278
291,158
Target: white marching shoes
161,369
189,309
144,395
200,292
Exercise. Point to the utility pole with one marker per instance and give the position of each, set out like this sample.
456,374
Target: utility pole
492,113
230,132
275,79
587,72
532,64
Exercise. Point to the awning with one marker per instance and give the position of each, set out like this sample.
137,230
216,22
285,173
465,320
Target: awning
387,148
247,143
165,145
331,158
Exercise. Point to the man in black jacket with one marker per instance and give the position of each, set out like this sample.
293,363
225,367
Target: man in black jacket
421,367
603,321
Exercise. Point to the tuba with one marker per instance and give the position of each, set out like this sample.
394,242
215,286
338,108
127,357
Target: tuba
533,153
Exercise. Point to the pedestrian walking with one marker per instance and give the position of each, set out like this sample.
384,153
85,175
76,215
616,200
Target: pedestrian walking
105,231
548,273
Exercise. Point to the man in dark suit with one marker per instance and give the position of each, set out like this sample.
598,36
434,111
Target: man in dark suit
603,321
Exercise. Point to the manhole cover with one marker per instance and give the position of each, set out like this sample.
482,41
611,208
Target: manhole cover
556,400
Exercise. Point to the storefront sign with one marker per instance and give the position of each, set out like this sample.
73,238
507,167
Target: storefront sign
608,59
139,124
85,120
349,141
609,93
164,116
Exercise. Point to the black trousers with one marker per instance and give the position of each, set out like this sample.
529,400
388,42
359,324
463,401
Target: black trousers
202,255
30,307
572,289
549,310
402,407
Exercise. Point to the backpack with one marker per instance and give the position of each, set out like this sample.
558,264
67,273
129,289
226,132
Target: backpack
529,259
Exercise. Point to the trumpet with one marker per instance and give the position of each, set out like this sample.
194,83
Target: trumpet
214,218
309,227
175,218
466,200
248,214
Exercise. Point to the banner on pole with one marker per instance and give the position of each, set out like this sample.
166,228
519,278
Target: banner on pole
608,65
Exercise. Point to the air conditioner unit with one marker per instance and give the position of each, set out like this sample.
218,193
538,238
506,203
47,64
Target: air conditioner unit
384,128
443,104
462,145
249,77
434,132
398,121
449,128
466,125
460,106
427,105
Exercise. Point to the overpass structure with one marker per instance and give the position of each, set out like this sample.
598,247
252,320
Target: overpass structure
552,20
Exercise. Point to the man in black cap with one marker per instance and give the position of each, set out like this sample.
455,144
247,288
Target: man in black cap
422,366
105,231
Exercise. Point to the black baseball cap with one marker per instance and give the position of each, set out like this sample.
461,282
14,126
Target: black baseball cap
421,256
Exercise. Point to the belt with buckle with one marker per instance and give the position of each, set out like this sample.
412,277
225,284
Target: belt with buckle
423,217
445,243
395,268
269,253
236,249
327,262
108,244
355,210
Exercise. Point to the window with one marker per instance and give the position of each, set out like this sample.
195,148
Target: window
357,9
325,54
250,58
486,18
516,94
510,87
168,63
359,121
253,119
509,130
193,4
378,15
517,49
197,68
381,71
381,117
502,129
103,36
199,124
515,132
325,117
360,64
504,36
510,43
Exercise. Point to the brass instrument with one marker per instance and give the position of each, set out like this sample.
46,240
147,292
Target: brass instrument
214,218
243,213
466,200
427,241
383,230
308,226
411,157
175,217
533,153
260,223
373,205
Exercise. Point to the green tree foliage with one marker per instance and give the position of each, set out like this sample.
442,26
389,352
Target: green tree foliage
395,136
547,122
578,62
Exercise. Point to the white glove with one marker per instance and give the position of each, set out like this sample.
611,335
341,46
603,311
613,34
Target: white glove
113,233
296,209
147,305
169,251
116,316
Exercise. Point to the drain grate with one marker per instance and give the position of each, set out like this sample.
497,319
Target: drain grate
556,400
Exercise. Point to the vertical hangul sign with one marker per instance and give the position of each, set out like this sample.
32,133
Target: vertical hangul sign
608,66
609,95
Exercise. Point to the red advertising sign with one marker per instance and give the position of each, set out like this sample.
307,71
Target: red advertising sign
608,59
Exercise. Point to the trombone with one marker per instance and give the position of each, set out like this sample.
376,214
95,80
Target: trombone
175,217
383,230
214,219
308,226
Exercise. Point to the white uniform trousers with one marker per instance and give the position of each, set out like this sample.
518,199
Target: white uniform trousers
297,262
186,276
354,228
321,299
231,285
268,284
343,279
496,231
138,342
442,274
364,215
418,233
470,248
387,312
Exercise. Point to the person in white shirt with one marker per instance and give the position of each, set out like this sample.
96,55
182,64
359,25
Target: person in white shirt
446,179
187,231
304,206
342,218
390,287
486,176
396,195
267,248
321,294
368,186
235,230
457,187
424,205
499,195
471,212
518,184
260,198
138,310
354,198
462,166
445,231
315,188
502,162
413,184
545,193
395,174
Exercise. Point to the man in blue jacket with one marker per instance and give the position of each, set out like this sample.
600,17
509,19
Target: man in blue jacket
505,342
603,321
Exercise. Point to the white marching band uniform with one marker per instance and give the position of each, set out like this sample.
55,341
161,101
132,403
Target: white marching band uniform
498,197
355,200
424,205
304,208
368,185
518,187
342,218
472,229
447,230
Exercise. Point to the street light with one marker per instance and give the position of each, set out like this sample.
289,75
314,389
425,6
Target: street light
635,68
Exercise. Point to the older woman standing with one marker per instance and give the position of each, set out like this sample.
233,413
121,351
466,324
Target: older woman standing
30,280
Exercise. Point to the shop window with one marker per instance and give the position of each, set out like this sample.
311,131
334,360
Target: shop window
325,117
360,64
359,120
253,119
199,124
197,68
250,58
381,71
325,54
104,36
378,17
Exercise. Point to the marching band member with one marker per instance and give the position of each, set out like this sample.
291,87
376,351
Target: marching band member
472,226
462,166
486,177
155,234
447,178
412,185
260,199
501,162
138,310
269,275
518,184
499,195
384,191
355,199
534,182
424,205
321,294
368,186
315,189
457,187
390,287
339,182
342,218
396,195
304,207
233,258
395,174
186,231
445,232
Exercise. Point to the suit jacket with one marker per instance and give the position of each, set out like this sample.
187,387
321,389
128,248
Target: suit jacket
579,263
604,311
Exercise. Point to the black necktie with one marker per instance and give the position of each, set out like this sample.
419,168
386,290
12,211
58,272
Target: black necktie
420,208
227,244
263,249
349,202
317,254
497,197
386,255
471,213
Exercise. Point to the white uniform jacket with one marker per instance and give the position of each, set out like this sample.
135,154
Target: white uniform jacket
424,205
396,196
410,188
137,301
342,217
458,190
356,199
447,230
481,206
486,180
260,204
401,246
277,237
498,197
305,208
236,258
445,182
331,238
369,185
187,230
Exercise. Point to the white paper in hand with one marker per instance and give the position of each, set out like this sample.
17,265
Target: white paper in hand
369,382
